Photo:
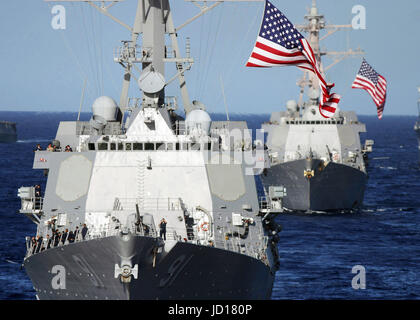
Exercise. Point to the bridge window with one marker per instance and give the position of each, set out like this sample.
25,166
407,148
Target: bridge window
160,146
137,146
112,146
128,147
149,146
91,146
102,146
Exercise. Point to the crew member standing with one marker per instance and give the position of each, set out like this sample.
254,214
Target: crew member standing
162,226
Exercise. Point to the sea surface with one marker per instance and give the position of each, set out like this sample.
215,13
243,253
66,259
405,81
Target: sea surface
317,252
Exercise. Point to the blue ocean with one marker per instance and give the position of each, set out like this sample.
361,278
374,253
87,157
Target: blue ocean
317,252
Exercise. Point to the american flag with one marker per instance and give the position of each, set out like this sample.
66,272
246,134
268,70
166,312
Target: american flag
280,44
367,78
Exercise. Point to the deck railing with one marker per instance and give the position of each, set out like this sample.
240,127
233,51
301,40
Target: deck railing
169,204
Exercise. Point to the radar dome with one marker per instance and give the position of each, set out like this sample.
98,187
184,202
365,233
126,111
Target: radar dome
292,106
105,107
198,121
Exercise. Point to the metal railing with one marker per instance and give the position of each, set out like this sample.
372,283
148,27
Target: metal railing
130,53
234,244
169,204
34,204
34,246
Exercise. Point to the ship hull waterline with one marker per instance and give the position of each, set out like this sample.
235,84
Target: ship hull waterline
331,188
187,271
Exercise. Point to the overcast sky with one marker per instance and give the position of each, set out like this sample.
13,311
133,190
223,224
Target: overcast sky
43,69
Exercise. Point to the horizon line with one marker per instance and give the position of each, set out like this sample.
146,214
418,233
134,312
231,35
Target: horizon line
231,113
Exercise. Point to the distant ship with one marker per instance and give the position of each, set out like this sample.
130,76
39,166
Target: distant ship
417,125
320,162
8,131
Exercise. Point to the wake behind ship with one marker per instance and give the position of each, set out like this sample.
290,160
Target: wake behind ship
141,203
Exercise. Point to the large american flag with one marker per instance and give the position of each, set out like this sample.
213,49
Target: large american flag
375,84
280,44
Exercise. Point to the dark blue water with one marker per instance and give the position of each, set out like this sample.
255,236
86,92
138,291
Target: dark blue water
317,252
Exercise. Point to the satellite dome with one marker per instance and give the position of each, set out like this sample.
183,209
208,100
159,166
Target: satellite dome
198,121
105,107
291,106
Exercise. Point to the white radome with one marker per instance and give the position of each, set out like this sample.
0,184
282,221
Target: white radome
198,120
105,107
292,106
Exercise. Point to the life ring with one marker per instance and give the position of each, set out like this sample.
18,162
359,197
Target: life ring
204,226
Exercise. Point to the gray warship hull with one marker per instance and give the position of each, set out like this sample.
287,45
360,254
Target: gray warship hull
187,271
8,132
334,187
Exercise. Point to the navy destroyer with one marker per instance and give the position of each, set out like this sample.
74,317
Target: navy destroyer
320,161
8,131
141,203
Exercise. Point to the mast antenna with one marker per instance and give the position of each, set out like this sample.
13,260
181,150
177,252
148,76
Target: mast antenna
224,98
81,99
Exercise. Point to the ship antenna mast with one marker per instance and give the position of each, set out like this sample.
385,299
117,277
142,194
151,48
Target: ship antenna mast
418,100
153,20
316,23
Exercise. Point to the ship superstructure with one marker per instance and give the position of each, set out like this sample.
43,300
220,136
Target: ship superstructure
8,131
113,181
319,161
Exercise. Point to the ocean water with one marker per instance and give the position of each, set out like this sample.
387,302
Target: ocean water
317,252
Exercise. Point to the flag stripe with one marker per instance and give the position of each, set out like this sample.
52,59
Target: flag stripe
375,84
269,49
364,82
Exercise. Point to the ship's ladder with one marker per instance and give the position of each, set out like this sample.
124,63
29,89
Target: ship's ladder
141,173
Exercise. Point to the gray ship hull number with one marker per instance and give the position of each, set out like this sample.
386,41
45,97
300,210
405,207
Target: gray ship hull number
87,268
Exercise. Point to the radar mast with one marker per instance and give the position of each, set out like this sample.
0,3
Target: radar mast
315,22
